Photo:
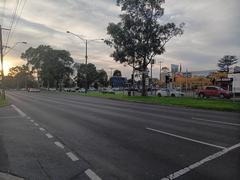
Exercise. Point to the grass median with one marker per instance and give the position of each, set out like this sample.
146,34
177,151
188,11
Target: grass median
212,104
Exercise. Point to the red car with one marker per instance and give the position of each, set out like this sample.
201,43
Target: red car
214,91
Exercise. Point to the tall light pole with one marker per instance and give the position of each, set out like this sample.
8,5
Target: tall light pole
86,41
11,48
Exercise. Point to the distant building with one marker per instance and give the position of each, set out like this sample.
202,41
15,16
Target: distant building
204,73
118,82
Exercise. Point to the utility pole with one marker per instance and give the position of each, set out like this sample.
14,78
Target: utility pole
2,72
111,70
86,55
1,54
151,82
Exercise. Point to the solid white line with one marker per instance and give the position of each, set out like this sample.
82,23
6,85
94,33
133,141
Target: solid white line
49,135
32,121
19,111
72,156
199,163
219,122
59,144
186,138
28,118
92,175
9,117
36,124
41,129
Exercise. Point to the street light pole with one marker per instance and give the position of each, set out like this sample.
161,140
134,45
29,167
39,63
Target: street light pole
10,48
86,54
86,41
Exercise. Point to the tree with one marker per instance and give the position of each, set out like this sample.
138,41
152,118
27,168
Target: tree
102,78
22,76
86,74
139,37
117,73
227,61
53,66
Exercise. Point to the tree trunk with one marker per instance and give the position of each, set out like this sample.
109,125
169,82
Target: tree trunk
48,85
144,92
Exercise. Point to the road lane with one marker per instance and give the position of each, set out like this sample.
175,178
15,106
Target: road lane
113,140
175,123
29,154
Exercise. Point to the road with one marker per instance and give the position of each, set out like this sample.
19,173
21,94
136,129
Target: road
56,136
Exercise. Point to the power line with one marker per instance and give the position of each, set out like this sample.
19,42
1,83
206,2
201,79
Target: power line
3,12
19,16
13,18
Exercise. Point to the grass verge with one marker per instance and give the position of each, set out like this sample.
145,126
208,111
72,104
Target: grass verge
212,104
3,102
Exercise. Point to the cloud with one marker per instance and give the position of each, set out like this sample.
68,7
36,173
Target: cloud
212,30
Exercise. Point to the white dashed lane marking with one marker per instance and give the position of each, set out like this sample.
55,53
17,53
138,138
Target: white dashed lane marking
59,144
92,175
19,111
72,156
186,138
218,122
49,135
199,163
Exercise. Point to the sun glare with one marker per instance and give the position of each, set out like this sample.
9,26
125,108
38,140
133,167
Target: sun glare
6,67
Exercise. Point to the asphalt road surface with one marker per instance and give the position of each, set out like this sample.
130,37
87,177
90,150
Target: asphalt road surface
60,137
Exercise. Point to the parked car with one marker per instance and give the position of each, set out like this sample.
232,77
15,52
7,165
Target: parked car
33,90
71,89
213,91
108,91
170,92
81,90
92,89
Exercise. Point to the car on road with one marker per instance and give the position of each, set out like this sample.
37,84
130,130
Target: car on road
214,91
71,89
170,92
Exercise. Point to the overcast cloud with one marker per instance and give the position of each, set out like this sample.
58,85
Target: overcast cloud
212,30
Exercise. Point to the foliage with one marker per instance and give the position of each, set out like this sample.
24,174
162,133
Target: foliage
19,77
102,78
87,73
117,73
53,66
139,37
227,61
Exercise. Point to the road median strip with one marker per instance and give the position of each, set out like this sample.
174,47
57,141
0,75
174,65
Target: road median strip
210,104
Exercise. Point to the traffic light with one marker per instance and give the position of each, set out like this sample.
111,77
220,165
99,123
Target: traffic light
167,79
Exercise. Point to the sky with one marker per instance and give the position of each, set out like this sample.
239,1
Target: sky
212,30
